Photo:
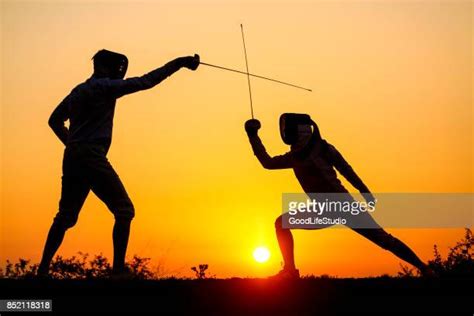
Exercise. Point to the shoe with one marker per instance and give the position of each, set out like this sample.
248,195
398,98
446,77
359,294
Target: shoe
122,275
42,275
428,273
286,274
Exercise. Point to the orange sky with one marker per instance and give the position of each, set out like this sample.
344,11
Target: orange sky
392,85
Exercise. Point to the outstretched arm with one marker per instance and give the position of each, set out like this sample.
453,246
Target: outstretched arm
347,172
118,87
57,119
268,162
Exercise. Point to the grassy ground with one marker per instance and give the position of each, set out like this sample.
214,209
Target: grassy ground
403,296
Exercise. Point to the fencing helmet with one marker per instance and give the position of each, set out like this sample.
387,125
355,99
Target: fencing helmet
110,64
293,126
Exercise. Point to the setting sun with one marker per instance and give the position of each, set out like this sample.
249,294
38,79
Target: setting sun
261,254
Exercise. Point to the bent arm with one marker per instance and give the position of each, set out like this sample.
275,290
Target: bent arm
57,119
119,87
268,162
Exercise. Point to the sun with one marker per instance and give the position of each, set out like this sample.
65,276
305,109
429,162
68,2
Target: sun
261,254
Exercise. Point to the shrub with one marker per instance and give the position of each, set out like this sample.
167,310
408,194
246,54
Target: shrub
458,264
200,271
460,260
78,267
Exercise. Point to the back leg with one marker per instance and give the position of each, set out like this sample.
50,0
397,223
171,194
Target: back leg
386,241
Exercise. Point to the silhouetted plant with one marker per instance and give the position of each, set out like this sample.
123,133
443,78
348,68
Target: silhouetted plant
69,268
460,260
99,267
458,264
200,271
318,277
21,269
139,267
78,267
407,272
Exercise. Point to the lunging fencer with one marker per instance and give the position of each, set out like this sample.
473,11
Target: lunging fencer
314,162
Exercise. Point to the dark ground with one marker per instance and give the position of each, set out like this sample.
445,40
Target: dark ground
379,296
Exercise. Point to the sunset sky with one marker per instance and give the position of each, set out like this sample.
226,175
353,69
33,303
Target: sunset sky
392,90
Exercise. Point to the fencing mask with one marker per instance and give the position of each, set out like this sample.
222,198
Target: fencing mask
110,64
294,125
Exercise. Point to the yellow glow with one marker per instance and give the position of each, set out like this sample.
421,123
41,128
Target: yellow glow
261,254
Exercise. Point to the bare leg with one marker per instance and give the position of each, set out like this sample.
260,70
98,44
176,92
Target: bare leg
108,187
74,191
285,241
120,236
394,245
54,240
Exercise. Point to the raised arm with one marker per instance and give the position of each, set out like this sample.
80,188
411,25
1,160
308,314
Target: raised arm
347,172
268,162
57,119
119,87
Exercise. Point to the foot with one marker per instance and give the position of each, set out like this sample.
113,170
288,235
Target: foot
122,274
43,275
286,274
427,272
